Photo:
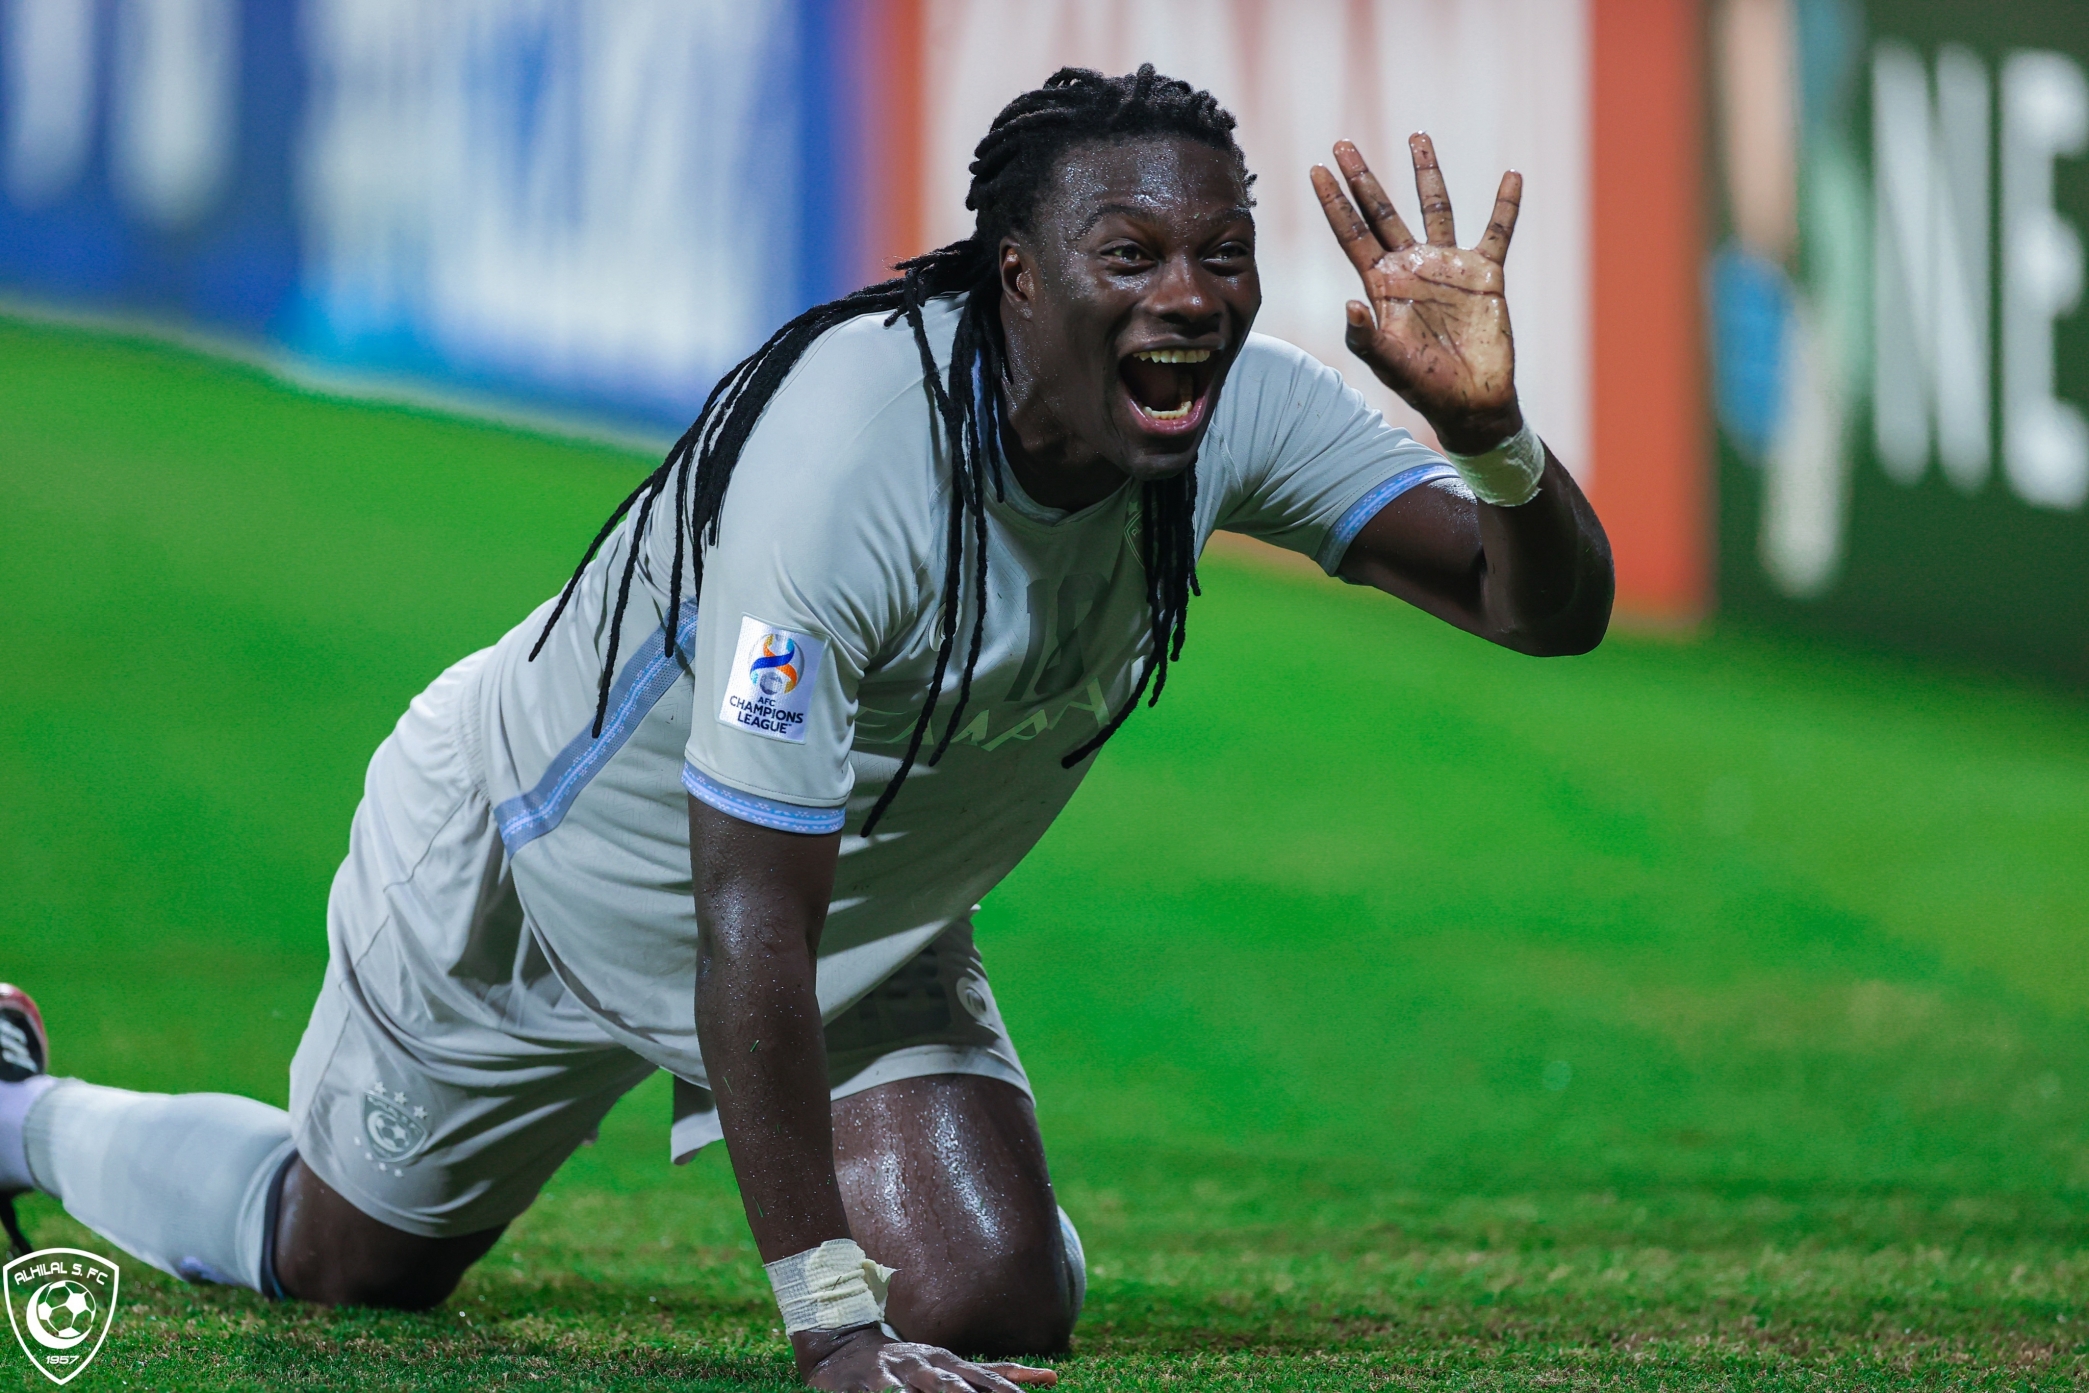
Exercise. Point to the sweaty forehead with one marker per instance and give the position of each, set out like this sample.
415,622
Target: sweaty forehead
1167,177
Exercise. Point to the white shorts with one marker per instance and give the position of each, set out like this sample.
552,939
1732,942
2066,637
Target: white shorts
447,1071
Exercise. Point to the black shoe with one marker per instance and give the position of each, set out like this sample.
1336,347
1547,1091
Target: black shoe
25,1052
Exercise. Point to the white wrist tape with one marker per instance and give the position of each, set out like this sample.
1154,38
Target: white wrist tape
1507,475
831,1287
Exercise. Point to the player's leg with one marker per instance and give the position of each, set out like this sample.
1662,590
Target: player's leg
326,1250
210,1187
443,1077
425,1126
206,1187
446,1072
944,1178
416,1150
184,1182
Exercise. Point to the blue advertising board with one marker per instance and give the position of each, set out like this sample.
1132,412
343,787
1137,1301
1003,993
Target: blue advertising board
588,208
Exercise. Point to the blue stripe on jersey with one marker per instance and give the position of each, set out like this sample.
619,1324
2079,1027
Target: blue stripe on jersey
762,812
638,689
1372,503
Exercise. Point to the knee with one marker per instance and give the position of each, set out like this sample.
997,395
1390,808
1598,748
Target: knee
999,1308
397,1287
386,1268
327,1251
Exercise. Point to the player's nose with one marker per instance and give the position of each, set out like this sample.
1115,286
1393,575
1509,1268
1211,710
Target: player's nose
1184,296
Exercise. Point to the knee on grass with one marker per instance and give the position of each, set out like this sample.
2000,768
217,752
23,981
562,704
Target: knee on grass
329,1252
1012,1307
406,1284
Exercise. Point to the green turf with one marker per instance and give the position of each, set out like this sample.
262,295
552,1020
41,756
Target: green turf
1403,1012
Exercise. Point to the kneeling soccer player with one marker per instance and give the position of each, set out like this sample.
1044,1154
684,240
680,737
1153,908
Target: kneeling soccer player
725,806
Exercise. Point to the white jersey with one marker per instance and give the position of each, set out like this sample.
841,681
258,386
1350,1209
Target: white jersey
797,675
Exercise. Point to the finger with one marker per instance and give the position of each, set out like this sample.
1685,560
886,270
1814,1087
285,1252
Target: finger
1023,1373
1356,239
1362,332
1428,185
925,1377
1508,201
986,1376
1370,196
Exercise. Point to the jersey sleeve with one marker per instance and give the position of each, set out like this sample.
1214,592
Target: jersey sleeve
814,574
1312,461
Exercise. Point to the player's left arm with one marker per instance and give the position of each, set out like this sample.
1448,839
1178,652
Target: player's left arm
1535,577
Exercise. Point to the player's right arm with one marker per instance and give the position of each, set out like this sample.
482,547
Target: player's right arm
761,902
815,573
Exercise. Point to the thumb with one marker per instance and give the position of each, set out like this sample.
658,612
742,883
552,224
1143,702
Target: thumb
1362,333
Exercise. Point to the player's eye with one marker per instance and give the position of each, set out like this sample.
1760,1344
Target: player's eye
1126,254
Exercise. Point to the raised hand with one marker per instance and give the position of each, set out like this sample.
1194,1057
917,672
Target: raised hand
1436,329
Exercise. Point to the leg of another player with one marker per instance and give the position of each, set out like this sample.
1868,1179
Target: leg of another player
329,1251
944,1179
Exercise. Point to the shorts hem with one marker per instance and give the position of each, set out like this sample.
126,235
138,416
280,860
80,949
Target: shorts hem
693,1133
320,1161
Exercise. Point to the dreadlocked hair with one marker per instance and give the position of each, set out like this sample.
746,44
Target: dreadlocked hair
1012,169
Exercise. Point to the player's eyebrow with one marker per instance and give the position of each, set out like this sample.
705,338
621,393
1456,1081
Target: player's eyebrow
1145,213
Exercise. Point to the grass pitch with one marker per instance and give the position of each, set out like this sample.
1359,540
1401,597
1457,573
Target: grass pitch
1403,1012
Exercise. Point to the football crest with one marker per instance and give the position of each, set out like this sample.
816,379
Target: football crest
61,1302
395,1128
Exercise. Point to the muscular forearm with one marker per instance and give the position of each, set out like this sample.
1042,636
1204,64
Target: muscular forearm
1544,574
1535,578
759,1023
758,1020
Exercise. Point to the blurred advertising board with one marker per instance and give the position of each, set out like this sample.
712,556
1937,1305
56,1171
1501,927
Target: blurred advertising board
589,208
1900,365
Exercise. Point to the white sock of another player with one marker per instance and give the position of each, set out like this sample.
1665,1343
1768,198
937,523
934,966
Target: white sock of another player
183,1181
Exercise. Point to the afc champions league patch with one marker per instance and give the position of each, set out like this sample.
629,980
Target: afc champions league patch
770,688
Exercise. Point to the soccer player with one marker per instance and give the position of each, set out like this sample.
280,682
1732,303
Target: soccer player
726,805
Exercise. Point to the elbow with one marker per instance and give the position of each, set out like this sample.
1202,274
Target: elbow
1572,643
1564,642
1578,629
1588,619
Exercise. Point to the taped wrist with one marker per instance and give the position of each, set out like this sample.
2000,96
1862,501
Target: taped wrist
1507,475
831,1287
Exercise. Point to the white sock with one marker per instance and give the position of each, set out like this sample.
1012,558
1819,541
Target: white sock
183,1181
1075,1277
15,1101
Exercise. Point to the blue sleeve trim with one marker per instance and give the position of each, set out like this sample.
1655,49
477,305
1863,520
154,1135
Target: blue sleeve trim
762,812
649,676
1373,503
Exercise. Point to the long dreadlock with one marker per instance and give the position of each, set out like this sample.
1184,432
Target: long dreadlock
1011,170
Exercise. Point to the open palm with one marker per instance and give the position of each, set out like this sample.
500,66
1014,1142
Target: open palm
1437,327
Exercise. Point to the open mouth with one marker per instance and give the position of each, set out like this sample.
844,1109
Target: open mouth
1168,387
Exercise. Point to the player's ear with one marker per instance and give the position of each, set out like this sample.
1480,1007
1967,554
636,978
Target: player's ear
1018,276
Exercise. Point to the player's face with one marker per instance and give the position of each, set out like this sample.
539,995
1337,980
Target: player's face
1141,290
